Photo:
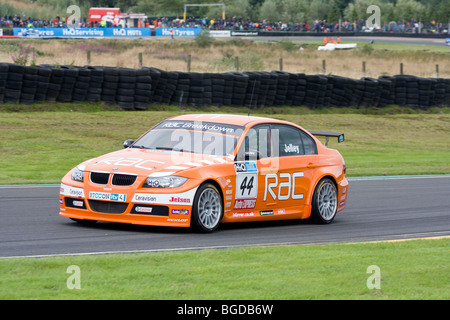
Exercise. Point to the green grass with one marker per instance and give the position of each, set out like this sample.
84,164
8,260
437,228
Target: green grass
41,143
416,269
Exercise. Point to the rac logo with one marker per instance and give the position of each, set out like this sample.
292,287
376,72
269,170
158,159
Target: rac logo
282,190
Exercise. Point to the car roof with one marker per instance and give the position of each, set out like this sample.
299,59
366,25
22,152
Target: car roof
240,120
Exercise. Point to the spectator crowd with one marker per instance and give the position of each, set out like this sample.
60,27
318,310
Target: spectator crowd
236,24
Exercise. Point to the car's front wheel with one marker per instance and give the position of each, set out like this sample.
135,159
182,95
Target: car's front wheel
325,202
207,210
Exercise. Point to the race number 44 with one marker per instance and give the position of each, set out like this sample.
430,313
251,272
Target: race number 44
246,185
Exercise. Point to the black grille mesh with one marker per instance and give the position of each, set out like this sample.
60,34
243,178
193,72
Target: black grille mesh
107,206
99,177
123,179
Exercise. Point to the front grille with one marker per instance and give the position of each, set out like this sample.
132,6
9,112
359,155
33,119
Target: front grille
108,206
123,179
99,177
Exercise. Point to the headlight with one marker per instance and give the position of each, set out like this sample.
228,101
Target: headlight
77,174
164,182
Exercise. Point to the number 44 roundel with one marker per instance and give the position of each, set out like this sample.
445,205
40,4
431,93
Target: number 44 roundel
246,185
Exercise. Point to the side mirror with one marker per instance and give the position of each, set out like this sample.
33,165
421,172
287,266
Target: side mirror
128,143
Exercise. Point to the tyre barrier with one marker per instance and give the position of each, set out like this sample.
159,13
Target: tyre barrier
137,89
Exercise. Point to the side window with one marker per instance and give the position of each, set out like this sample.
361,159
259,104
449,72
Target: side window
309,145
290,143
293,141
256,144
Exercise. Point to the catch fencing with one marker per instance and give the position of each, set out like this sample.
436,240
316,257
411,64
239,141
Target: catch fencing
139,88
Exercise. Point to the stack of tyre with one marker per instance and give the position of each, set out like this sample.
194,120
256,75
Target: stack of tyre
217,89
240,84
387,91
180,97
253,89
126,88
440,90
281,88
3,79
94,92
298,97
316,88
196,89
371,94
110,85
14,83
262,92
143,88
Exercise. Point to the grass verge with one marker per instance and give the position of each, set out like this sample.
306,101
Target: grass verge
417,269
41,146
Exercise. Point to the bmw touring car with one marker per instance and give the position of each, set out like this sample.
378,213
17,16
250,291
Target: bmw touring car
202,170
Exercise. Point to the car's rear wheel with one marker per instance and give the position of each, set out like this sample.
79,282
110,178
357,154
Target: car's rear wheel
207,209
325,202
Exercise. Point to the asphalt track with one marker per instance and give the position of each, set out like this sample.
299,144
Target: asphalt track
378,209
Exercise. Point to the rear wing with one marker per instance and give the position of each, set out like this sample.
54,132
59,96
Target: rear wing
340,136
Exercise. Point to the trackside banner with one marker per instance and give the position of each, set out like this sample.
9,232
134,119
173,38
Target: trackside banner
177,32
81,32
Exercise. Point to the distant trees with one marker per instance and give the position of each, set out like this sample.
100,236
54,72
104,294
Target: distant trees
272,10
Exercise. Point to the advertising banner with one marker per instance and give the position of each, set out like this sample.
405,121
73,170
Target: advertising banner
177,32
220,33
81,32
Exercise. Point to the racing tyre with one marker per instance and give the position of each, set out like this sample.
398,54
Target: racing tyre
325,202
207,210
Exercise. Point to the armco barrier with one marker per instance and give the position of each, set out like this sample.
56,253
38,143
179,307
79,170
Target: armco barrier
138,88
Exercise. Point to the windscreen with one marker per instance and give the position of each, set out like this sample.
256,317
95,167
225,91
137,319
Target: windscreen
192,136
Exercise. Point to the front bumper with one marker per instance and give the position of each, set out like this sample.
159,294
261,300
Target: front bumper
127,206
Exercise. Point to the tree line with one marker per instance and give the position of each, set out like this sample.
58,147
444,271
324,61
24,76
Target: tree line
427,11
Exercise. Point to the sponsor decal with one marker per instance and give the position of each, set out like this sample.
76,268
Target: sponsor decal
78,203
165,198
176,220
281,211
180,211
243,214
139,163
143,209
60,201
199,126
180,199
266,213
107,196
85,32
291,148
244,203
282,189
143,198
341,203
246,180
71,191
247,166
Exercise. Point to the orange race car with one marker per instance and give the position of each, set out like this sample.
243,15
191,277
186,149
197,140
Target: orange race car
202,169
